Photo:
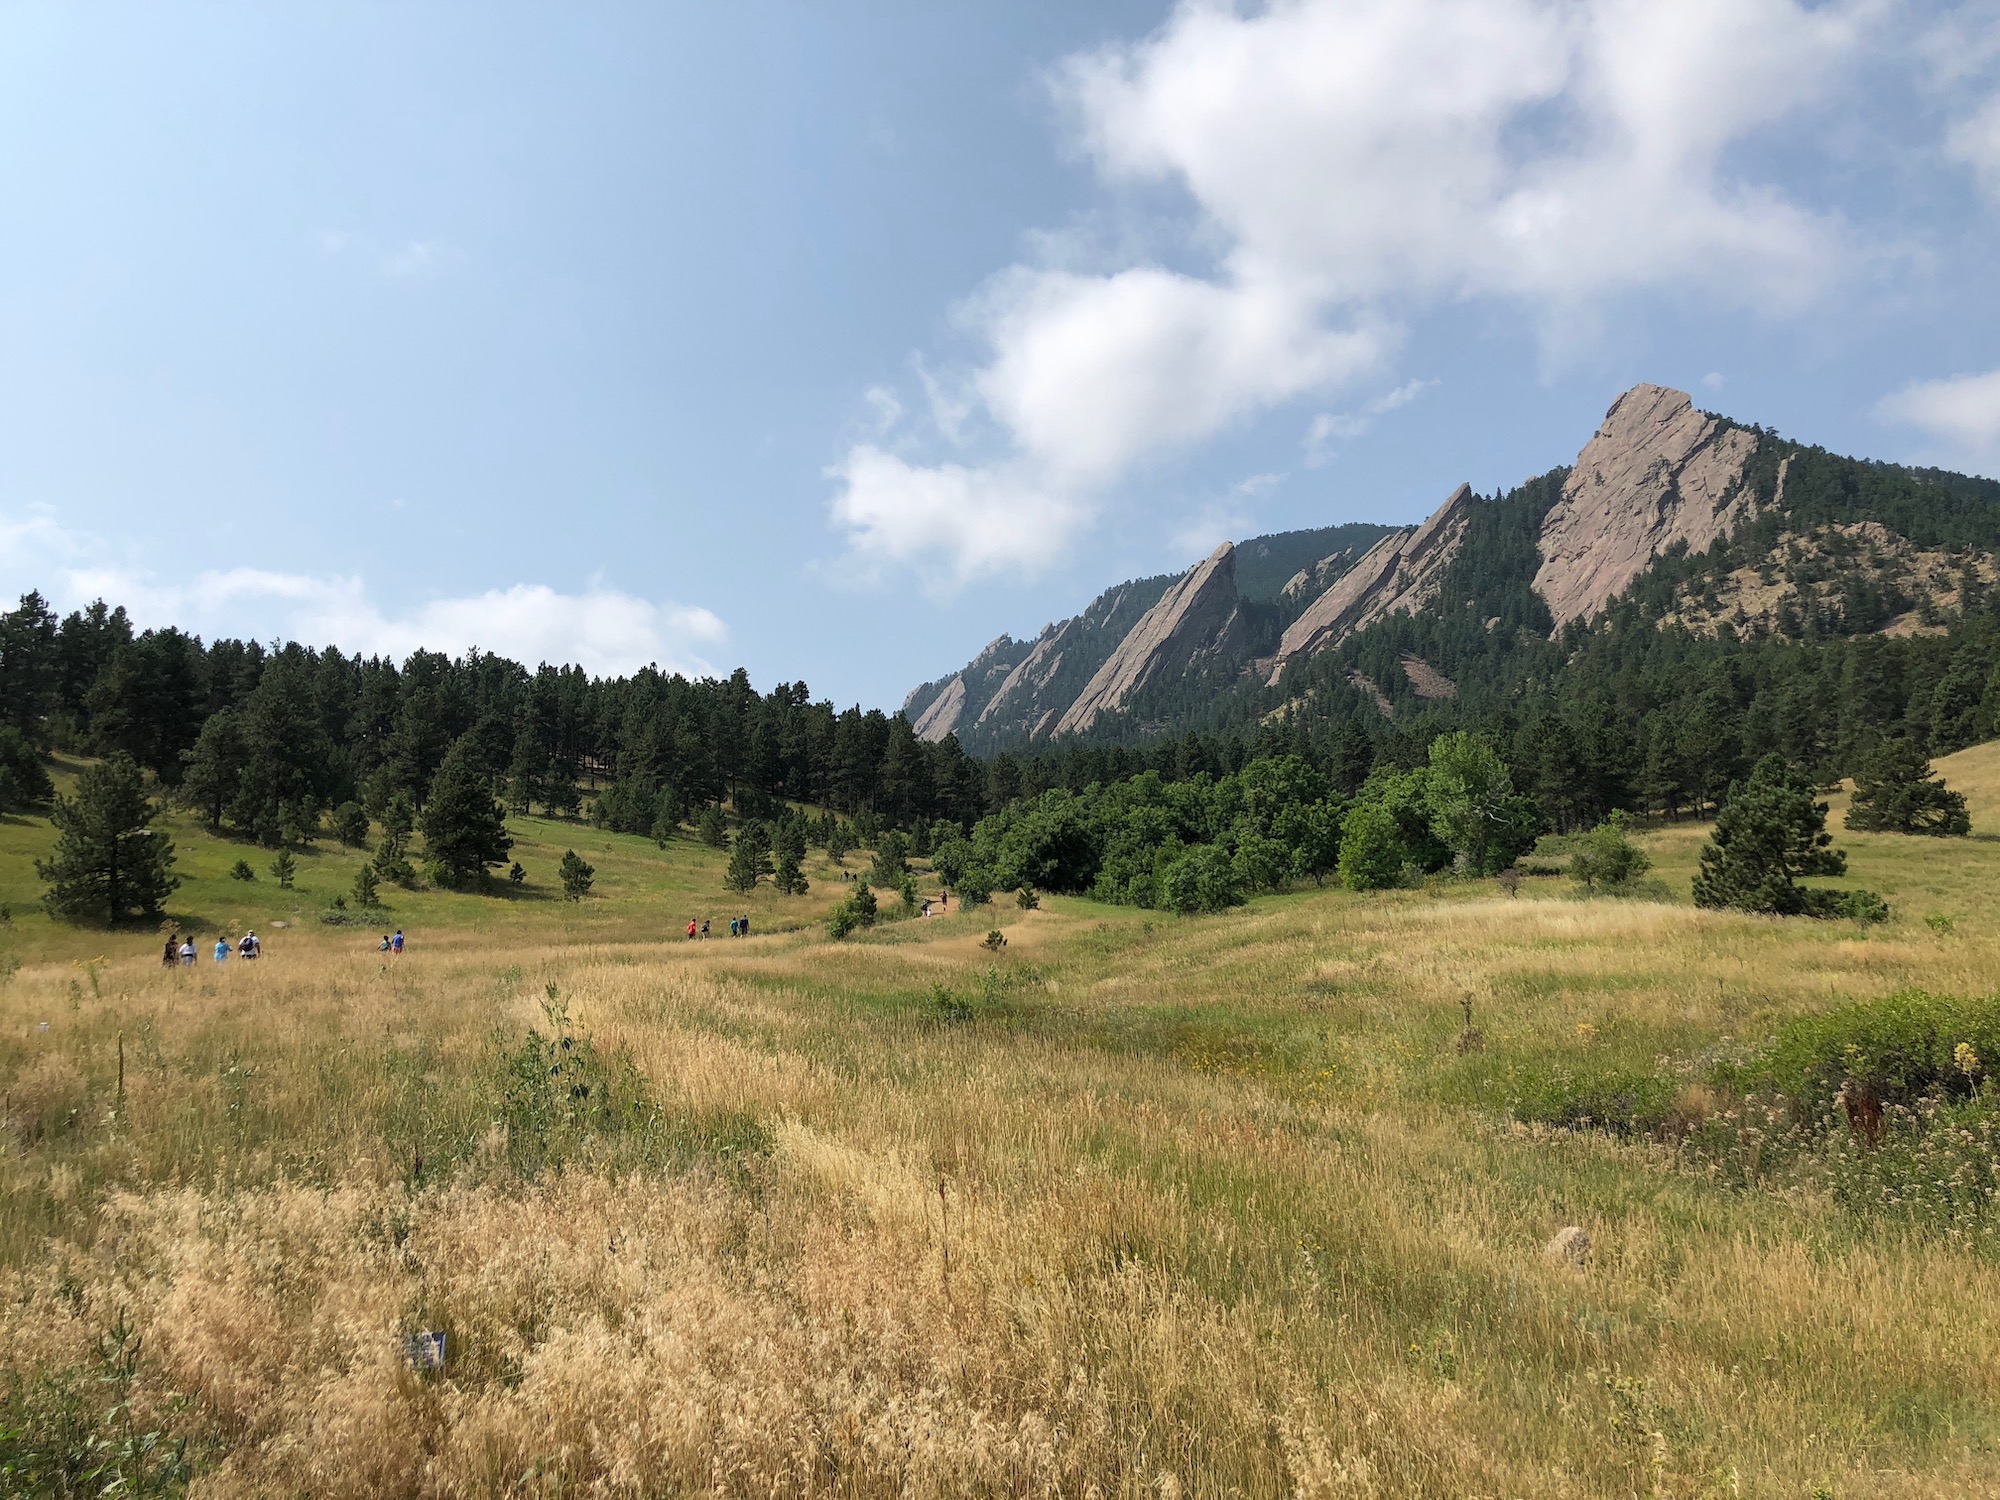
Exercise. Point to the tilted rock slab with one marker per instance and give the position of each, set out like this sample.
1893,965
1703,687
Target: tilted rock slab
1399,574
966,691
942,717
1657,472
1197,620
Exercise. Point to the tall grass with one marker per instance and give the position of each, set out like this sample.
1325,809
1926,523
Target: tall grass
1129,1206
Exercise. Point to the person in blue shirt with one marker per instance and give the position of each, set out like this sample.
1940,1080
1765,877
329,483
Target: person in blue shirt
396,943
222,949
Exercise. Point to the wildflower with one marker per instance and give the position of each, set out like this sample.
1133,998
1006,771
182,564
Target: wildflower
1965,1059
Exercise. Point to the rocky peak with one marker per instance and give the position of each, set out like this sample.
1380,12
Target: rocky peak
1198,620
1657,472
1399,574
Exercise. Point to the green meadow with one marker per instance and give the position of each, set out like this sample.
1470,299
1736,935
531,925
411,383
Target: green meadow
1077,1200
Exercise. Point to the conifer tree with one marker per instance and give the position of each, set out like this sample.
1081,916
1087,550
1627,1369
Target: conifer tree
749,859
24,780
109,863
575,875
283,869
1769,833
213,769
714,828
788,848
1895,792
367,888
464,828
891,858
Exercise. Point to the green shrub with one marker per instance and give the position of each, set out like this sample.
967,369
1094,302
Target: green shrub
1898,1050
241,871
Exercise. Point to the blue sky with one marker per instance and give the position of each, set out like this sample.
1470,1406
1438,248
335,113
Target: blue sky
832,341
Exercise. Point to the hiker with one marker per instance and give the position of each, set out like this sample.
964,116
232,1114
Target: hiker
704,929
691,929
173,954
187,953
222,947
250,947
396,943
925,909
732,927
383,946
744,920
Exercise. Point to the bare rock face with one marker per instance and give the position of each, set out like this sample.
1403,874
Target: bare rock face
1399,574
1031,675
1313,577
942,717
1197,620
1656,473
1427,680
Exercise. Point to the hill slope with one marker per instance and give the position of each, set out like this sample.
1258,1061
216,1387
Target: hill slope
1722,532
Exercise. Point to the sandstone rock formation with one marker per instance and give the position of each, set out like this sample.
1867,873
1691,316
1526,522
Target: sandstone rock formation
1399,574
938,709
1199,621
1031,674
941,718
1656,473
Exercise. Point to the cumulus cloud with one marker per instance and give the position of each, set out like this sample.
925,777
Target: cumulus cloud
1963,411
600,628
1344,163
1975,141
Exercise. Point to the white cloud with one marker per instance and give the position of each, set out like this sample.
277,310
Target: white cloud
1329,428
1345,163
419,258
1964,410
950,523
1975,141
600,628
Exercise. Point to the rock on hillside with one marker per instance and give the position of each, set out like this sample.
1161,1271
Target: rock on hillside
940,708
1197,621
1657,472
1399,574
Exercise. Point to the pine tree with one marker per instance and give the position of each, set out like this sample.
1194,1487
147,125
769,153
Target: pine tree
839,840
714,829
749,859
464,828
788,848
24,780
576,875
367,888
1769,833
891,858
108,864
213,769
283,869
1895,792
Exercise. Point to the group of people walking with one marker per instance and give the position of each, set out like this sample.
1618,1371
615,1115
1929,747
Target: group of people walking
738,927
180,952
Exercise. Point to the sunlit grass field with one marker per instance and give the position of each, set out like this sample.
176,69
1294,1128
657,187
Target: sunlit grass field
1128,1205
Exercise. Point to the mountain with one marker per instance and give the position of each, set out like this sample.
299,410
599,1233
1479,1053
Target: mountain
1700,524
1019,691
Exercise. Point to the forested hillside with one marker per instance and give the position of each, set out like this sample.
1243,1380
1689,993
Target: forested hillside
263,742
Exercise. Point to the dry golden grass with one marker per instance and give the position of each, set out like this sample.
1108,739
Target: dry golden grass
1210,1207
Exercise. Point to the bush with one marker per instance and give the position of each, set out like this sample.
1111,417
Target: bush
858,910
1894,1051
1202,879
1027,900
241,871
1371,849
367,888
1605,856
